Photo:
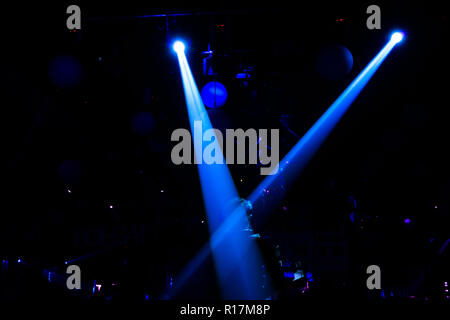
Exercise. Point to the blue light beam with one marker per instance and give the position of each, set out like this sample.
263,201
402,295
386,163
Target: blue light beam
236,257
299,156
292,164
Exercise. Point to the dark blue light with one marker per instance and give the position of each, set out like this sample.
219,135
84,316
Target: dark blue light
65,71
288,275
142,123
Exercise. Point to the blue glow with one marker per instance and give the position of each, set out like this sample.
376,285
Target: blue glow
19,260
214,94
288,275
297,158
243,75
334,62
236,257
178,46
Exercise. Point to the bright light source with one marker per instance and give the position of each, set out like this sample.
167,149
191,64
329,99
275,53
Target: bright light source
178,46
397,37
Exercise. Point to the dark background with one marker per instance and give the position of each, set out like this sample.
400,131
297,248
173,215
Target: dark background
389,152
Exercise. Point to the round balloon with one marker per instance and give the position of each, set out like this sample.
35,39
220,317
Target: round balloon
214,94
142,123
65,71
334,62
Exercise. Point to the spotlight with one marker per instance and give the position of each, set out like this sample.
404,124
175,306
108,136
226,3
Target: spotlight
178,46
236,256
397,37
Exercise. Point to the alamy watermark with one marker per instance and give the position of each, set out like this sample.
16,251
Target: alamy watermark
73,22
249,144
74,280
374,280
